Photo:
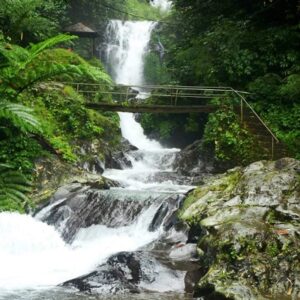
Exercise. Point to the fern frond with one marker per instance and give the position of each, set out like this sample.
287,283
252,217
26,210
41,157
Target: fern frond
13,185
20,115
36,49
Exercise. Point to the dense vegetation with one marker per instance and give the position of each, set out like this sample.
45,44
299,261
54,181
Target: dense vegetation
39,115
247,45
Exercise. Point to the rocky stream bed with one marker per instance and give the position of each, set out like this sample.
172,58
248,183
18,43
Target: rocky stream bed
234,236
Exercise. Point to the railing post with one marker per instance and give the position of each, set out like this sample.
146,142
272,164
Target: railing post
176,96
127,91
242,111
77,87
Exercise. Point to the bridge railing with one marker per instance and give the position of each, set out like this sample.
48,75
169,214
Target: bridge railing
124,93
173,94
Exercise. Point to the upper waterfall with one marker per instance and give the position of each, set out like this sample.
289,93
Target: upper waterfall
126,47
127,44
164,5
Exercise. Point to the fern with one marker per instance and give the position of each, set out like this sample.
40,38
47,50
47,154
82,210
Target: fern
20,115
13,188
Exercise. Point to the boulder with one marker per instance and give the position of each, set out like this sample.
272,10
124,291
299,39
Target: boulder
197,160
249,227
118,159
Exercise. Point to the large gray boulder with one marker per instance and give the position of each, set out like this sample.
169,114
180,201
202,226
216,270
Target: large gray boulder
249,224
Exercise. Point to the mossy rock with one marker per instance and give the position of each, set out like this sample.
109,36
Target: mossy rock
251,217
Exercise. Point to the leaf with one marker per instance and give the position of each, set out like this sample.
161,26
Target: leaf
20,115
13,185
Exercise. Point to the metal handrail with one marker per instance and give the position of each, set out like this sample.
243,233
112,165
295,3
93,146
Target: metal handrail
163,87
257,116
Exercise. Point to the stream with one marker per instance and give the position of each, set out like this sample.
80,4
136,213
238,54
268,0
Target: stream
106,244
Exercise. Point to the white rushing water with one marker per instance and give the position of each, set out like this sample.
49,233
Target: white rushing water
127,44
32,254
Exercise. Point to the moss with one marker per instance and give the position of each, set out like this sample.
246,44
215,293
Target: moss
224,185
272,249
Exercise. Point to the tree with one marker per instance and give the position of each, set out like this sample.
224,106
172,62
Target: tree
27,21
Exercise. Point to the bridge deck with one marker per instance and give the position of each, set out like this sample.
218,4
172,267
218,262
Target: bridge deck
142,108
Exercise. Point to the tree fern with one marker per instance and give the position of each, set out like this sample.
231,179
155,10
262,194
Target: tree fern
23,67
13,188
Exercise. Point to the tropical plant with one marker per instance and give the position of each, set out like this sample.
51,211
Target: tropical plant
25,21
19,115
20,69
13,188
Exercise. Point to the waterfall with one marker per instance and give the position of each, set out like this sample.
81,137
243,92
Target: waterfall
127,44
164,5
82,227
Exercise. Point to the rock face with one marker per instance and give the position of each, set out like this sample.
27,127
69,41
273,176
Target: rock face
197,160
248,224
118,159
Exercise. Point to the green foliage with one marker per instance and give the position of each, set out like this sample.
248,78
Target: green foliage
143,9
172,130
231,142
272,249
63,148
96,13
65,119
13,186
277,101
21,68
20,150
250,45
59,115
155,71
26,21
19,115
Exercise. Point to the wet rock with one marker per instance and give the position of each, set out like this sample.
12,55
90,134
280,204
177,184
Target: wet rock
118,159
184,252
90,157
127,272
126,146
93,165
82,204
87,207
196,160
166,213
248,223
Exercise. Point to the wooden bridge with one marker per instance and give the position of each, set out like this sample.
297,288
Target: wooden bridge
178,100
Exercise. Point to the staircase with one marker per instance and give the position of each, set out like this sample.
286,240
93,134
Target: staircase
271,147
